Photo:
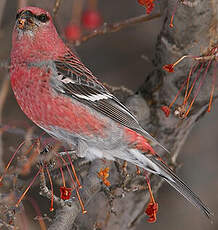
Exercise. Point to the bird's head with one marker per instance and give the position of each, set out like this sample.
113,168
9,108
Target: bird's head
32,19
35,36
29,20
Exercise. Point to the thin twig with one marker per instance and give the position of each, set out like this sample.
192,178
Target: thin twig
2,7
56,6
3,95
111,28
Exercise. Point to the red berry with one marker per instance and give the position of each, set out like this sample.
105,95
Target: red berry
91,19
169,68
72,32
166,110
65,193
149,5
141,2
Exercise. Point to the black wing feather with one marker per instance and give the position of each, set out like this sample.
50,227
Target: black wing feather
82,82
78,82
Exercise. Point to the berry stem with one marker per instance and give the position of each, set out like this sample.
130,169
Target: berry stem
173,15
74,184
74,171
52,189
149,189
192,70
180,59
213,88
199,87
62,173
178,93
9,163
192,86
27,189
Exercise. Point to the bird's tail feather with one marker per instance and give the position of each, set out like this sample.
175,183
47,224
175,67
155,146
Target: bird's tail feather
180,186
152,139
152,164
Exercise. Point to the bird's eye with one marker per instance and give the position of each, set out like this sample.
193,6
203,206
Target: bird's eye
43,18
18,15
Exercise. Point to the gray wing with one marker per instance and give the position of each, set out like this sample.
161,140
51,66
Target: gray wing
78,82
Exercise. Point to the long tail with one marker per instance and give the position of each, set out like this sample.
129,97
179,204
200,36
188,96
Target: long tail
150,138
152,164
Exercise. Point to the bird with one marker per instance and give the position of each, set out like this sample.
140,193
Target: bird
63,97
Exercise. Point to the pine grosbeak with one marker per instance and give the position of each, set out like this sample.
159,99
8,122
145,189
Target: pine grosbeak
60,95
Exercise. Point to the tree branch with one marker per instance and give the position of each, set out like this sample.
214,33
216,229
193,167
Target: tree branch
111,28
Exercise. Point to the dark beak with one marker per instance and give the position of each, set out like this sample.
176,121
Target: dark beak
25,20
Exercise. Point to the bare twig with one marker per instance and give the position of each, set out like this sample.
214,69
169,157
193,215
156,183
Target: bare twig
2,7
56,6
3,95
111,28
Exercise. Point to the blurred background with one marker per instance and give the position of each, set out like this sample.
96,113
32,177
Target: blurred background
124,58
